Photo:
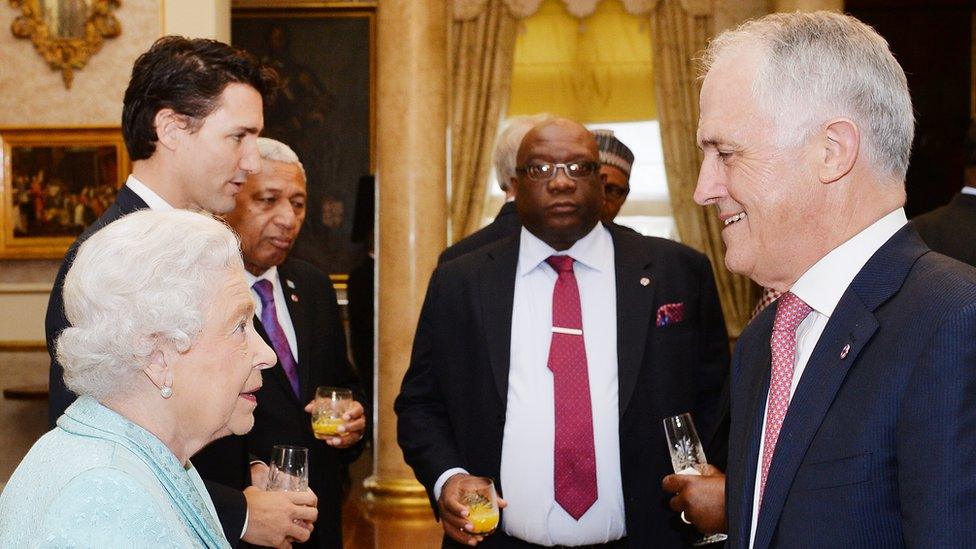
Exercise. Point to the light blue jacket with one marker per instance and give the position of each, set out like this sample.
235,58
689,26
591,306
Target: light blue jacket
99,480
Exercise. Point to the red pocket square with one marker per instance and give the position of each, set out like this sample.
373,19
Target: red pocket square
670,313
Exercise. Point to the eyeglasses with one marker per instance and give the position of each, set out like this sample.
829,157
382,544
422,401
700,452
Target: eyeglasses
545,171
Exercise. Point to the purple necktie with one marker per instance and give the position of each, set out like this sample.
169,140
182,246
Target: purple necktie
574,461
269,318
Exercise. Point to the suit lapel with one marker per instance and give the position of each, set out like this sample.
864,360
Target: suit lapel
635,305
849,329
851,324
299,314
497,294
754,370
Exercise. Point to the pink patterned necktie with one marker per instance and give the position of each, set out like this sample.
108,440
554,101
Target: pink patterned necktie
790,312
574,472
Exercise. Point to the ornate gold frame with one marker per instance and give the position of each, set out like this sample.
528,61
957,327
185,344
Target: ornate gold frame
66,54
13,246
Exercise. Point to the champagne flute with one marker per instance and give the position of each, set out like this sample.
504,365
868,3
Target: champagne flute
330,403
478,495
687,456
289,469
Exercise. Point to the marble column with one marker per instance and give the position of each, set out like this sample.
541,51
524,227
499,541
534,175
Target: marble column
411,153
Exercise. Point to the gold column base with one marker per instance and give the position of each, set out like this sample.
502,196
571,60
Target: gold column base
400,495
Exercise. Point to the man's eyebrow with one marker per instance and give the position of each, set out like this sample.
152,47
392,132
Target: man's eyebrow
247,129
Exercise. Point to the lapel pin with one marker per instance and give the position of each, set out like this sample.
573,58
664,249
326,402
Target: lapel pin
290,284
294,297
844,351
644,281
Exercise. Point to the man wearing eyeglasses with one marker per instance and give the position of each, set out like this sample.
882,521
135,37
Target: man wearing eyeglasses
616,161
547,360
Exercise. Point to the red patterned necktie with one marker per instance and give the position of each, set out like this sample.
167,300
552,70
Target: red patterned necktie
574,472
790,312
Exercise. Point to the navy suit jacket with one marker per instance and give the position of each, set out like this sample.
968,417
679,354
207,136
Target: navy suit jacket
878,447
452,404
230,503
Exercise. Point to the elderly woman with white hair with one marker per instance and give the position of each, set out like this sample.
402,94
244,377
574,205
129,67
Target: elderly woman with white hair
164,358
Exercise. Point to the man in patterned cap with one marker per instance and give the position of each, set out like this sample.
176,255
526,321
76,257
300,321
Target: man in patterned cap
616,161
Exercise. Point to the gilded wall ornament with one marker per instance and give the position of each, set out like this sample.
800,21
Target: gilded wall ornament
66,33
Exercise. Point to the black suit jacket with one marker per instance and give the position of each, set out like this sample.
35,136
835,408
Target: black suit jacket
506,223
280,417
877,446
230,504
951,229
452,405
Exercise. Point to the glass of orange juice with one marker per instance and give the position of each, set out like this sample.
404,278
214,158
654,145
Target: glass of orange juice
330,404
478,495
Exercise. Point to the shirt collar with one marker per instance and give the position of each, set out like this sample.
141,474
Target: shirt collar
822,286
969,190
591,250
153,200
270,275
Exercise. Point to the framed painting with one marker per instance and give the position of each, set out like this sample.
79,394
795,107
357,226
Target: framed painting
324,53
56,182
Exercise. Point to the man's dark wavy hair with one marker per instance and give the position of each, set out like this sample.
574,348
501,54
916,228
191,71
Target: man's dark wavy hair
188,76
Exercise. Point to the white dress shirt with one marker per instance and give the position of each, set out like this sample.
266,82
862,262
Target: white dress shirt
153,200
968,190
821,287
281,306
527,446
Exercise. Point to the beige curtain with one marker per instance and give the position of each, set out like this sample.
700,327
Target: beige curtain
680,35
481,65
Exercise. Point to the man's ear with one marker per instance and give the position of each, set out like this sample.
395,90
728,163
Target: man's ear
513,184
170,128
842,143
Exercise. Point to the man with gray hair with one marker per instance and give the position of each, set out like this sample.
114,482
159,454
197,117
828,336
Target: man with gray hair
506,222
854,395
296,313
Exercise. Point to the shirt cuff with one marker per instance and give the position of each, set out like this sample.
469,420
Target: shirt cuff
443,478
247,513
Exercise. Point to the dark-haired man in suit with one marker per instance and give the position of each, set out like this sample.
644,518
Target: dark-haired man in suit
297,314
547,360
190,119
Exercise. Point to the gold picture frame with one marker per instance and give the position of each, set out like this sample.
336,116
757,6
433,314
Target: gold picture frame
66,33
56,182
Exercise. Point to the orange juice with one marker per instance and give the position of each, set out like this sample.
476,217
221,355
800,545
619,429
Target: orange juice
483,518
324,426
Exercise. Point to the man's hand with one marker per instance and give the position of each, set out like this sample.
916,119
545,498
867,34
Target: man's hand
259,474
276,519
701,498
454,514
351,430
